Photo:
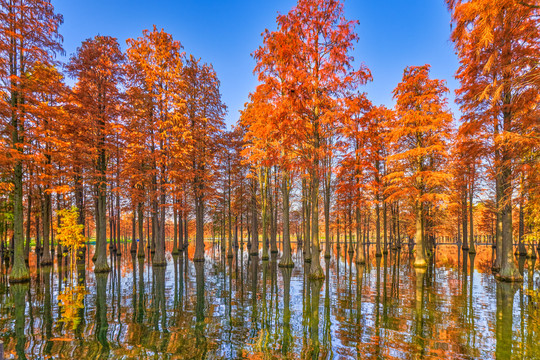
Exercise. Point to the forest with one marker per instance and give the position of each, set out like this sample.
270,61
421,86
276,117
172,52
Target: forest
121,155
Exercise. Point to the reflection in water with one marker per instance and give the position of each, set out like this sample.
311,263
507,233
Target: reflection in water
19,292
419,311
102,324
505,307
241,307
287,334
200,338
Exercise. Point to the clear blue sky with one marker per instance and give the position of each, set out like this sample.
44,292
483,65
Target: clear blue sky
393,34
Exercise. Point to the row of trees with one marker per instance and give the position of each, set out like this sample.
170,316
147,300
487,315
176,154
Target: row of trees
309,120
140,136
137,132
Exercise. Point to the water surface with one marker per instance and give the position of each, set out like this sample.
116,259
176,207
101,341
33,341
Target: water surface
248,308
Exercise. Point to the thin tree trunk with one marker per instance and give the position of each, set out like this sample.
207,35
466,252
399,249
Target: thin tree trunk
472,247
316,271
420,260
286,258
140,211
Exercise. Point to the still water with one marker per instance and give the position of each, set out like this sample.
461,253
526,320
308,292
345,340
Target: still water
247,308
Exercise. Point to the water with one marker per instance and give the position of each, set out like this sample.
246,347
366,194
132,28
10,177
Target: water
247,308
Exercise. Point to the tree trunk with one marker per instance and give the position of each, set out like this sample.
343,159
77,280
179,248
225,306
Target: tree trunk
28,223
140,211
263,183
385,229
360,256
327,189
316,271
46,215
180,231
199,229
472,247
19,271
420,260
186,231
509,270
254,250
229,216
378,252
133,249
101,264
286,258
464,220
175,229
522,250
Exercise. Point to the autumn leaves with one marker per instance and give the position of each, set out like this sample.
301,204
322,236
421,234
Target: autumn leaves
308,115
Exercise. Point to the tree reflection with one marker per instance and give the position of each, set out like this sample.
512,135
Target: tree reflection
419,311
158,303
200,338
141,303
19,299
505,309
314,345
47,310
327,324
287,335
102,324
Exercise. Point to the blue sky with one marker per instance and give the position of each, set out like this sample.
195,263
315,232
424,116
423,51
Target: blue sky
393,34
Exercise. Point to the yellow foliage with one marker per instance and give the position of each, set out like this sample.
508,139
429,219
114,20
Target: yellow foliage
69,232
70,301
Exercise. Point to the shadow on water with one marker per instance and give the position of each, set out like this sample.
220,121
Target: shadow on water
242,307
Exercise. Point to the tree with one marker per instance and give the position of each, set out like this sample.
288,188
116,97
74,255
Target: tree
205,112
316,72
158,59
419,136
97,67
